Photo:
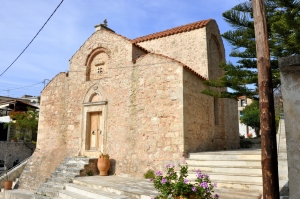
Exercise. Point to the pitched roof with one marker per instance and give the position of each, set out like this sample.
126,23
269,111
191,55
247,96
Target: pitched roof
17,104
172,31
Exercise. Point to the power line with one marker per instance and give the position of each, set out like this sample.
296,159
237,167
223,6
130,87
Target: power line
32,39
23,86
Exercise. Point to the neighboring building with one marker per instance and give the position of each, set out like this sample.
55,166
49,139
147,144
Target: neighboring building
138,100
6,106
243,101
34,100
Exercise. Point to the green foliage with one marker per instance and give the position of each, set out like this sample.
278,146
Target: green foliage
89,173
245,143
149,174
23,122
175,184
283,22
251,116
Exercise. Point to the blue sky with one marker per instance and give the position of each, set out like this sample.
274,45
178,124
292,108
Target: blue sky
74,22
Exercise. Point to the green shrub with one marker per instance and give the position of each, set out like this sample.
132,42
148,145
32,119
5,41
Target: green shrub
245,143
89,173
149,174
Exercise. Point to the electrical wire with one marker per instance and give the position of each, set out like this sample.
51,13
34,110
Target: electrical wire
23,86
32,39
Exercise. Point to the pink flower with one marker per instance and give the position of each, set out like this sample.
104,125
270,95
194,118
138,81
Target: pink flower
163,181
158,173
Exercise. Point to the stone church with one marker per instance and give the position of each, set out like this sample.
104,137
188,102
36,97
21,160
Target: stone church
137,100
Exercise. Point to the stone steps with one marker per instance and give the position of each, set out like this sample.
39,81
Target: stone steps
123,186
65,173
235,170
80,191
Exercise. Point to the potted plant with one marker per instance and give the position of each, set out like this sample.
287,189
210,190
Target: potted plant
103,164
7,182
175,185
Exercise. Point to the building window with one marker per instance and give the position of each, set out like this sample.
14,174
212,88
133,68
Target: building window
241,113
243,102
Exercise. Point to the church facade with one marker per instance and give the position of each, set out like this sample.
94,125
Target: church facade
137,100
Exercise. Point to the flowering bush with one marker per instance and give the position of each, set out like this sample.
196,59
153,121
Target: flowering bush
175,184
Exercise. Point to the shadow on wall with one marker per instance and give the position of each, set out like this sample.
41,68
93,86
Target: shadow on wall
112,169
284,191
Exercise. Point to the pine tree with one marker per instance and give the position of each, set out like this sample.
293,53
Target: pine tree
284,40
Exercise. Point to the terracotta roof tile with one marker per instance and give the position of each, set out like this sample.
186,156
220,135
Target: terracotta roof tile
176,30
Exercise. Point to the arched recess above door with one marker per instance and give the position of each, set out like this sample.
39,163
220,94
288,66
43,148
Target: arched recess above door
96,64
94,94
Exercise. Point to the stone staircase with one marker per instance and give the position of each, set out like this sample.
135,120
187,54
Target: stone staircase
108,187
65,173
238,173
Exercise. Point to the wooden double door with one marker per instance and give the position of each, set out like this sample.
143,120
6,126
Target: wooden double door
94,132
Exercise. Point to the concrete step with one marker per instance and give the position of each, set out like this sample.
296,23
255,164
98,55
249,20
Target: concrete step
71,195
240,185
51,185
63,169
59,180
237,193
223,156
216,177
93,193
63,174
80,160
73,165
228,169
47,192
200,163
125,186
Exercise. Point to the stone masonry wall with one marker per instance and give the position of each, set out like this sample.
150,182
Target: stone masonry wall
216,51
140,97
17,150
183,48
155,119
231,126
290,88
52,140
198,114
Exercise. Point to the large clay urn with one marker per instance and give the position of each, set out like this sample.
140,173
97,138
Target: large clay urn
8,185
103,164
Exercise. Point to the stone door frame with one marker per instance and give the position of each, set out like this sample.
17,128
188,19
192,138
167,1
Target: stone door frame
95,100
89,107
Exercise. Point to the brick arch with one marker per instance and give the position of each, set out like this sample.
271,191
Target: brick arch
90,58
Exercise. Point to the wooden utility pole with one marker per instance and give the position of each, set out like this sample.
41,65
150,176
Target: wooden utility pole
269,157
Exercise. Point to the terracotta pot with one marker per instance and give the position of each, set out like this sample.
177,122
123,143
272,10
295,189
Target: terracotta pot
8,185
103,164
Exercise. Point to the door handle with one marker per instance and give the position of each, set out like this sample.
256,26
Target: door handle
93,133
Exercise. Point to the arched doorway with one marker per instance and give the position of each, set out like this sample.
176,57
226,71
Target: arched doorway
94,111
